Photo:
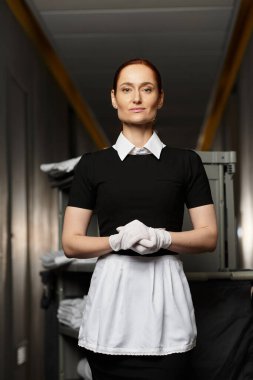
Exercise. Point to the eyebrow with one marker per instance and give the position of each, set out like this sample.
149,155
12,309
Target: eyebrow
131,84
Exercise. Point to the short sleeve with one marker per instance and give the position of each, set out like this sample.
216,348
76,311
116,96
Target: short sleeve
82,192
197,188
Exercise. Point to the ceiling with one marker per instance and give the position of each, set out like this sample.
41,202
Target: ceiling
185,39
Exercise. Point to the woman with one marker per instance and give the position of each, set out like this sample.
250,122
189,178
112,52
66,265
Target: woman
139,319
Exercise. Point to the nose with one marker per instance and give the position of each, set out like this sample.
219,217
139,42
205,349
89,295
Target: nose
136,97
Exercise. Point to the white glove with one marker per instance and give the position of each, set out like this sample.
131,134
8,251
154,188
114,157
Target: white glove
128,235
158,238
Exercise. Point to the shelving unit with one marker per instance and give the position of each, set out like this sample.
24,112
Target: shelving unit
72,282
220,170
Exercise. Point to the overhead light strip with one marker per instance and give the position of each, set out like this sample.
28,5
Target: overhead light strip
31,27
238,43
121,10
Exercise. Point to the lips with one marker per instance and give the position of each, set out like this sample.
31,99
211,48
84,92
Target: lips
137,109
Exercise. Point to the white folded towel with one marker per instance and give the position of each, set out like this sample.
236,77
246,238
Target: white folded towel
83,369
60,167
55,259
70,312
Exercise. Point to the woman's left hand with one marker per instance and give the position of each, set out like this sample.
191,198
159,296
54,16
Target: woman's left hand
128,235
150,239
158,238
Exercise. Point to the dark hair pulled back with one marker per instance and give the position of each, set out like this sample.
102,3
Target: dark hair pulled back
138,61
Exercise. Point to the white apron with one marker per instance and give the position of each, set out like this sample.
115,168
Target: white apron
138,306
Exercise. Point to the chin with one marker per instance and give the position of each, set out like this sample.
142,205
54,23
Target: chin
137,122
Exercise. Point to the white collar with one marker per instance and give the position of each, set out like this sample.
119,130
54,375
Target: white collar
124,146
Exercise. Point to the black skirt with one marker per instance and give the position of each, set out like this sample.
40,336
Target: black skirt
125,367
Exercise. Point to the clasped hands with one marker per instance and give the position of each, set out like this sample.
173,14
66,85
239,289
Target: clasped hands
140,238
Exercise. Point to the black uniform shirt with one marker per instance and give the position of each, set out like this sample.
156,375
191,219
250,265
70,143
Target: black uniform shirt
141,187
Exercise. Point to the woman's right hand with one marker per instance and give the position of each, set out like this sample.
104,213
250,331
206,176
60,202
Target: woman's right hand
128,235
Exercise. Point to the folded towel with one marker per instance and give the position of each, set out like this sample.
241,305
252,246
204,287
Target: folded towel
56,168
83,369
55,259
76,303
70,312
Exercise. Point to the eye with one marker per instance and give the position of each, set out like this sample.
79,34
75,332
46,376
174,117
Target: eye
147,90
126,89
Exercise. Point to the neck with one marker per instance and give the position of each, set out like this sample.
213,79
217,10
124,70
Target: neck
137,135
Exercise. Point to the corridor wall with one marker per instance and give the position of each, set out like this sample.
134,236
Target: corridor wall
236,133
36,126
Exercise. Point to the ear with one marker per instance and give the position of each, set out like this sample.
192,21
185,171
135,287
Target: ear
113,99
161,100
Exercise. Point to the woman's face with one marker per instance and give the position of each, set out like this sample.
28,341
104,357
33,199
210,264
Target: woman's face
137,97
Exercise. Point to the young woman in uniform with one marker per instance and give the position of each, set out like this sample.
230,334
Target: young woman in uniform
139,321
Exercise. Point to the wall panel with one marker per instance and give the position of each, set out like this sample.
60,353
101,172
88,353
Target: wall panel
245,142
17,120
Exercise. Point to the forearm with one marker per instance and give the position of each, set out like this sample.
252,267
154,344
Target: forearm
84,247
194,241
